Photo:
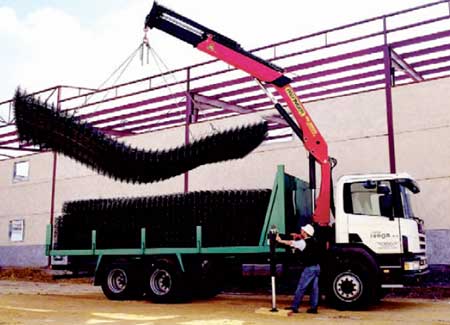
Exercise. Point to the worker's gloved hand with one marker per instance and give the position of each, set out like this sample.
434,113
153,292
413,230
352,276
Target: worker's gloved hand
296,236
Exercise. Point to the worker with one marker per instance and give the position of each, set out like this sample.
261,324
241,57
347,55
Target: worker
310,256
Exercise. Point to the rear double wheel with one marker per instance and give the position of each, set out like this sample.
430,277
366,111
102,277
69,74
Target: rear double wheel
165,282
119,282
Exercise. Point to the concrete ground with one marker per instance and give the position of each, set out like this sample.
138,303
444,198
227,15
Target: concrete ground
24,302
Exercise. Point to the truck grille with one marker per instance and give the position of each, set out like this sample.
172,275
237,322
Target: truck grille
422,240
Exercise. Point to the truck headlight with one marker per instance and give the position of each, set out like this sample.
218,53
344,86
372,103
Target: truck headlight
411,266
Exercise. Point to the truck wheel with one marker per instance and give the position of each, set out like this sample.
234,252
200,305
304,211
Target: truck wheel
350,287
210,280
165,283
118,283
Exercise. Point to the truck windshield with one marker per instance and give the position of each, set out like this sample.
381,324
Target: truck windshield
406,196
371,198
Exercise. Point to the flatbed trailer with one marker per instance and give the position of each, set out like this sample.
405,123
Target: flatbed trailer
124,272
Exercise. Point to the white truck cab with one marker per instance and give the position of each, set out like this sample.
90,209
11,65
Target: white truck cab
375,222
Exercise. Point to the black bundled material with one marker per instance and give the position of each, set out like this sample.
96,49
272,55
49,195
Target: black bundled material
228,218
40,124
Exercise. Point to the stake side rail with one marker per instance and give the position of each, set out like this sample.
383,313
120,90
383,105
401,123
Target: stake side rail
199,249
230,52
275,215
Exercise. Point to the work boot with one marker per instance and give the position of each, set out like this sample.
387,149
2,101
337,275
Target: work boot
312,311
290,308
294,310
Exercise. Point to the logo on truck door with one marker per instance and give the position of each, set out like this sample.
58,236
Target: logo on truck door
384,240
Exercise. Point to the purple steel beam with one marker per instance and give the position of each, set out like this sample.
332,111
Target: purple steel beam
289,55
140,113
187,124
351,25
336,58
427,50
305,96
424,22
389,114
441,59
11,141
325,83
202,117
280,136
147,79
421,39
215,103
301,66
404,66
344,68
55,159
312,63
132,105
247,89
140,92
19,149
339,89
356,54
8,134
117,133
144,120
301,88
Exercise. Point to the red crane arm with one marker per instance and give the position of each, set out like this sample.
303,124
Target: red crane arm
230,52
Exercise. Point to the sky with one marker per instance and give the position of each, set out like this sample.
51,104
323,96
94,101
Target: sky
44,43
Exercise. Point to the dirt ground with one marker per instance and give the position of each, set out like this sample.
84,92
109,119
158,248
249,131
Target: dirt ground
66,302
33,296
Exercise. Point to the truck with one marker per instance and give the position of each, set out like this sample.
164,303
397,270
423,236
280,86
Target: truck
373,239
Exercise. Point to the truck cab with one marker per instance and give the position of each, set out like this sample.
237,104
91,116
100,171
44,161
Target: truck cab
375,221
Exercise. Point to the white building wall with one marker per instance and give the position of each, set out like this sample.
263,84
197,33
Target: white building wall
354,126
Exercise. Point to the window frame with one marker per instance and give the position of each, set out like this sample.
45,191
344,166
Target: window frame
10,230
19,178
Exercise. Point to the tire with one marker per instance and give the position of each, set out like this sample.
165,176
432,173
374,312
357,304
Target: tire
210,280
352,286
164,283
119,282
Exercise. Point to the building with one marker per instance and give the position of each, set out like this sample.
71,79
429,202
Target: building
377,94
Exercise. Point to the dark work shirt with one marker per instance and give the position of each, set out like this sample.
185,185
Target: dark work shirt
311,255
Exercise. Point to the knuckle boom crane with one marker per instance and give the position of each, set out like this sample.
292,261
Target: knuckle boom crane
265,73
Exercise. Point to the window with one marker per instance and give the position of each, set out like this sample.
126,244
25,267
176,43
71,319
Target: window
21,171
16,230
406,200
368,198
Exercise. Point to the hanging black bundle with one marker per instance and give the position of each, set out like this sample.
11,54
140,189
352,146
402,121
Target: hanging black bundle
39,124
228,218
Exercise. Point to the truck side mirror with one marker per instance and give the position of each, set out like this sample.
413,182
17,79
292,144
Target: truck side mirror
369,184
383,189
386,206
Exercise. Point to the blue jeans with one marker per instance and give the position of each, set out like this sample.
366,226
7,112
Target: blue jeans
309,276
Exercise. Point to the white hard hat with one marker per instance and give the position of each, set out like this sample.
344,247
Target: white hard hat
308,229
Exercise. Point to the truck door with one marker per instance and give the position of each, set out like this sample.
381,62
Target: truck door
372,217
